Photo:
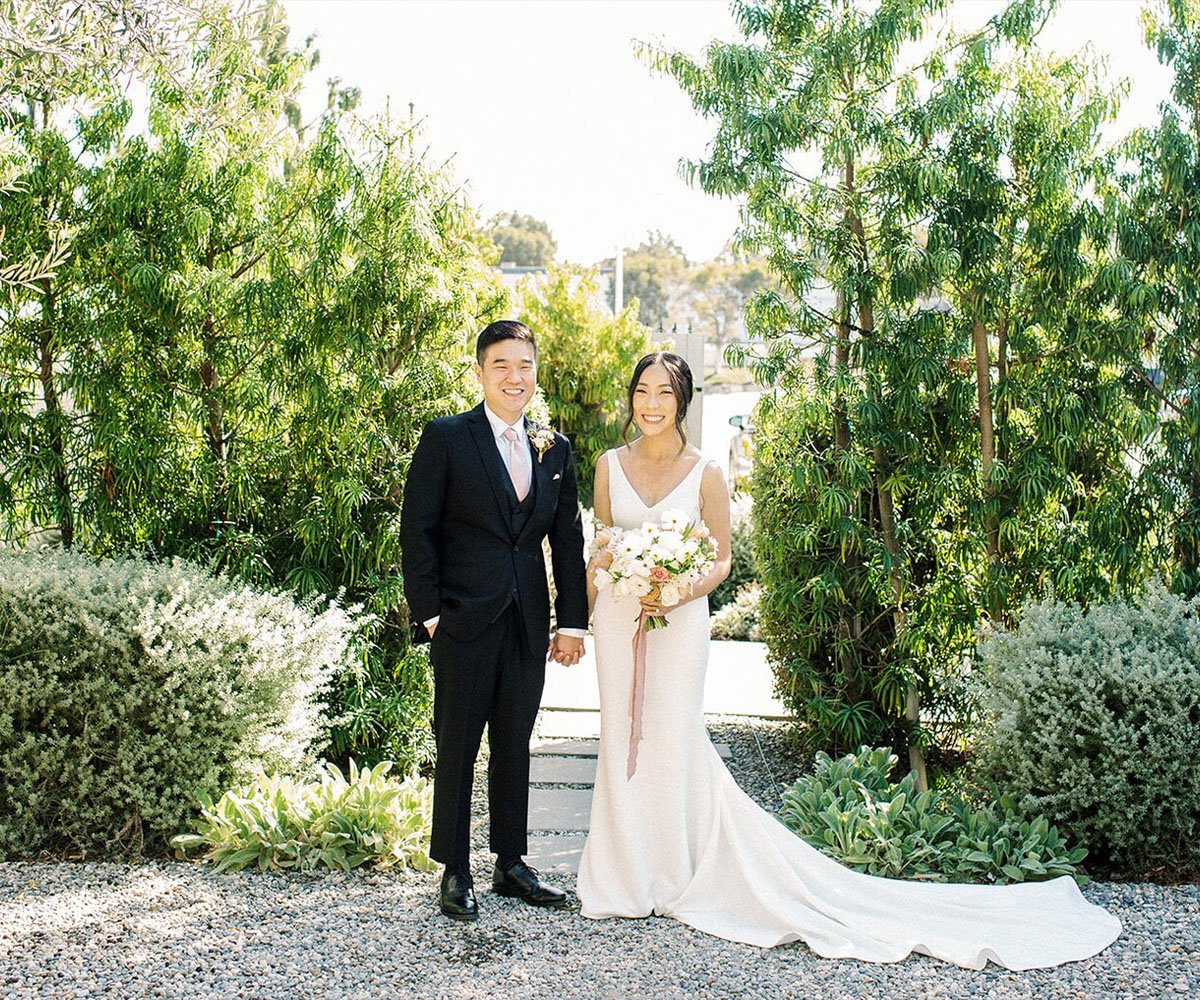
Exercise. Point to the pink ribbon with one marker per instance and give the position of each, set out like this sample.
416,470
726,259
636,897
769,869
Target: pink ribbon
637,694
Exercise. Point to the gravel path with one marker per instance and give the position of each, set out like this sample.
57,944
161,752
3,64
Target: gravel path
178,930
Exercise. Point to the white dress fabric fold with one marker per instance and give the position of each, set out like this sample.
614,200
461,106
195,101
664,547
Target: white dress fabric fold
680,839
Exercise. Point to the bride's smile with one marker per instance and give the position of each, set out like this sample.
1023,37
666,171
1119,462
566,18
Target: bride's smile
654,403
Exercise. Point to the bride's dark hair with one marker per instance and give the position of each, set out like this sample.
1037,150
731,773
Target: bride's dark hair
680,375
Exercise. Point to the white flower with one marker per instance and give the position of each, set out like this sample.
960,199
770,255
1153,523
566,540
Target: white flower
675,519
640,586
603,579
669,595
631,545
541,437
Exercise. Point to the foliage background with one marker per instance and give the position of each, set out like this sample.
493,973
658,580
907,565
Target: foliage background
970,339
249,321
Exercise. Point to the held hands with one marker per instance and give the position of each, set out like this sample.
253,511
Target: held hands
565,649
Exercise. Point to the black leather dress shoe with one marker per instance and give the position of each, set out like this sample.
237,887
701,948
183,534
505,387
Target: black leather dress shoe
522,882
458,894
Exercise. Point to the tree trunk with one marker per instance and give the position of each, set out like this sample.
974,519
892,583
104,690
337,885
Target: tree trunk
842,440
55,419
1001,417
987,448
214,427
887,517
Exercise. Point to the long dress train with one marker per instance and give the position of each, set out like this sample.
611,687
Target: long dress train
681,839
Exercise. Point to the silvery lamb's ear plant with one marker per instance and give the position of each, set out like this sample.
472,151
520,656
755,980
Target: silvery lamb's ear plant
849,809
339,822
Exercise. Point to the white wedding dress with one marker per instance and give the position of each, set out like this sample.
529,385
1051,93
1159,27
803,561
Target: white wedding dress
681,839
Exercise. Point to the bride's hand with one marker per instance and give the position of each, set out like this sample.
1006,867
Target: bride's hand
602,558
653,606
652,609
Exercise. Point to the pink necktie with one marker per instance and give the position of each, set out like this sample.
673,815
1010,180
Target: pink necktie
518,470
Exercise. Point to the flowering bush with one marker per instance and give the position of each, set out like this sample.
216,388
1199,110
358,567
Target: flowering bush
739,618
1093,718
129,689
658,560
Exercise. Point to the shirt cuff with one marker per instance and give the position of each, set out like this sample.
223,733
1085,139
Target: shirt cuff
432,621
573,633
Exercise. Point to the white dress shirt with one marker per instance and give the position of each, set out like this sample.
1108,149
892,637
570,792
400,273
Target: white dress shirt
498,428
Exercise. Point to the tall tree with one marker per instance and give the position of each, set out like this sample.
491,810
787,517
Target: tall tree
523,240
655,274
1018,240
1154,283
867,173
61,112
236,358
717,294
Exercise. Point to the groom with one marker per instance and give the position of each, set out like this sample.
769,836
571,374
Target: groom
484,489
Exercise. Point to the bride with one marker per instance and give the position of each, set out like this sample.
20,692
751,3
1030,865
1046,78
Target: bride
680,839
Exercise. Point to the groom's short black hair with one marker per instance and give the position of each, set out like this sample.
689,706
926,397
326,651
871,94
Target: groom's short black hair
505,329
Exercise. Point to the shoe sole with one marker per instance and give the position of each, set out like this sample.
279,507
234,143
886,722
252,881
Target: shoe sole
561,904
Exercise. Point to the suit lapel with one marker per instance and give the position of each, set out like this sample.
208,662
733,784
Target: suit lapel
493,465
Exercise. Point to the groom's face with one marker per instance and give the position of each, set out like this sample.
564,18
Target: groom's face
508,375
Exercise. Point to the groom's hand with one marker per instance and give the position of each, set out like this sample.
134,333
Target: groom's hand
565,649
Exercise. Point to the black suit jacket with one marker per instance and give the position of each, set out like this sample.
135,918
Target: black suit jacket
462,557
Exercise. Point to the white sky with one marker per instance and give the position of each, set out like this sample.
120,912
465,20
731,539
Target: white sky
543,108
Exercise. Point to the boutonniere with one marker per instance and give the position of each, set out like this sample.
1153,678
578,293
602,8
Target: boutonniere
541,437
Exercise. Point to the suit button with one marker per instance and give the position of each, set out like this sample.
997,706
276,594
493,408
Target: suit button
516,548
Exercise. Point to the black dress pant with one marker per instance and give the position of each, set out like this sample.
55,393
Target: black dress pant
493,679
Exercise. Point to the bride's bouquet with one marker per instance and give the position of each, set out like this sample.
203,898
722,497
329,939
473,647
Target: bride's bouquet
660,561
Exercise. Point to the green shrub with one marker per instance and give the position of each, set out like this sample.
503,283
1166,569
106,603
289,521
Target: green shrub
742,572
850,810
387,711
128,689
739,618
333,823
846,654
1095,715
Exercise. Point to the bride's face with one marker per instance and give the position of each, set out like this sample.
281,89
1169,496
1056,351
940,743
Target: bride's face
654,402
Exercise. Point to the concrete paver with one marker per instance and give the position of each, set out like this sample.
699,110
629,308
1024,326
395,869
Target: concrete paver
574,770
574,724
567,809
555,853
561,746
